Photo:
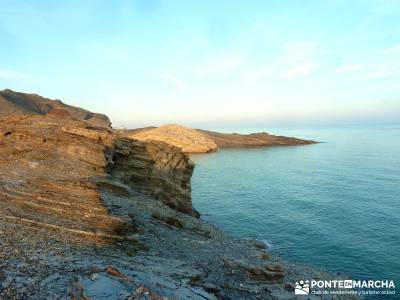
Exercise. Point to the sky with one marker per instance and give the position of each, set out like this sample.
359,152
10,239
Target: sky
208,63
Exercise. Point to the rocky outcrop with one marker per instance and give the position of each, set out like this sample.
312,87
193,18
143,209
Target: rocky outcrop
15,103
155,169
187,139
262,139
74,159
202,141
152,168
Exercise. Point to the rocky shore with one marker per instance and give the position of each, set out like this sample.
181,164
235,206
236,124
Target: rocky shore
87,213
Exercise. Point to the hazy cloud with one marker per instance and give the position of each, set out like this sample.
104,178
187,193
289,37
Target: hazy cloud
179,84
221,66
348,68
256,75
377,74
295,52
11,74
392,50
299,71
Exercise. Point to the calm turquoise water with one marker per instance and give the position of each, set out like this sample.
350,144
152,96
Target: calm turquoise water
335,205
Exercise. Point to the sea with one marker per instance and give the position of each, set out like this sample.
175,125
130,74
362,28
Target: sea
333,205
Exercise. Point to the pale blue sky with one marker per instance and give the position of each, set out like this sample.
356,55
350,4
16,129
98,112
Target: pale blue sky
208,63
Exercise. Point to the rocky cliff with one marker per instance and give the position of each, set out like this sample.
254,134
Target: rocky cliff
15,103
87,213
155,169
47,151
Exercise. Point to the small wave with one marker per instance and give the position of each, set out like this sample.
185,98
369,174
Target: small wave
269,244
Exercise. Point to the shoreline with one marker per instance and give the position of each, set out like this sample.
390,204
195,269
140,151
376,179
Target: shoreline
251,147
88,212
191,140
106,235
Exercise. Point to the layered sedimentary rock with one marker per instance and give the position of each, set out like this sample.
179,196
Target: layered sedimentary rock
51,171
15,103
202,141
155,169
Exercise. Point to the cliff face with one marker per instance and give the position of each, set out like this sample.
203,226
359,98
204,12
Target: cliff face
155,169
14,103
62,166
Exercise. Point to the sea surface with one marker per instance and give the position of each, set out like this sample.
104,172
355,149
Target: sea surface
334,205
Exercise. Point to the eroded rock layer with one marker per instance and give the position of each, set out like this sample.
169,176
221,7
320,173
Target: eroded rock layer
51,172
155,169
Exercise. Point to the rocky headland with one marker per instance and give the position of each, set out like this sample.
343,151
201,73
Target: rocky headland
88,213
201,141
261,139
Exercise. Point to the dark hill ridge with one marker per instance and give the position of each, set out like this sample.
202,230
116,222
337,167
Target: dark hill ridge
15,103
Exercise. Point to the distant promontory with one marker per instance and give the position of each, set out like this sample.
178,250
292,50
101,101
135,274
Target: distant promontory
202,141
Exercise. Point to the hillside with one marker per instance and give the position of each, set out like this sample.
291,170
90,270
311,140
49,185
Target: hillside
228,140
187,139
202,141
15,103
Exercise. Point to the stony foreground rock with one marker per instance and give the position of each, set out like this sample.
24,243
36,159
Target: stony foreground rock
88,214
